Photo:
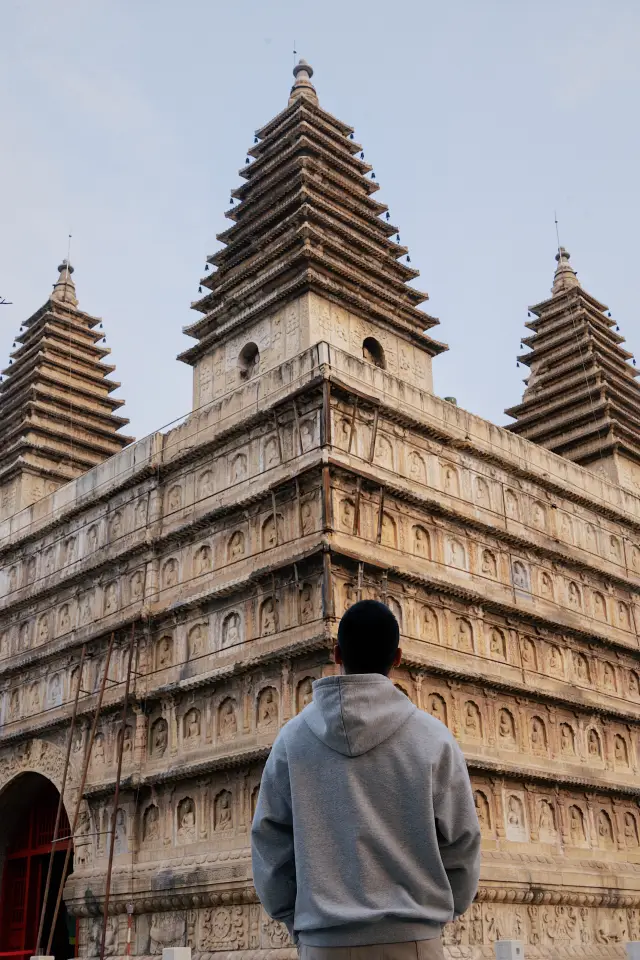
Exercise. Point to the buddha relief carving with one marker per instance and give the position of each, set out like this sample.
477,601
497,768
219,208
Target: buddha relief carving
538,736
272,536
186,821
231,630
151,824
464,635
488,566
227,723
538,515
506,726
97,756
267,712
605,829
159,738
546,586
136,586
594,745
472,720
204,485
195,641
630,830
567,740
483,498
271,454
92,538
64,618
529,654
174,498
191,726
70,550
599,606
349,595
456,554
576,825
512,505
546,820
519,575
55,690
170,573
615,549
581,668
120,845
388,535
555,662
24,635
574,596
43,628
515,816
417,468
308,516
307,434
116,526
304,694
396,610
238,468
347,514
307,605
497,644
267,617
620,751
85,607
383,453
111,597
591,538
421,543
202,560
32,569
624,620
430,628
164,652
451,480
437,707
483,811
223,812
634,684
141,512
236,548
609,677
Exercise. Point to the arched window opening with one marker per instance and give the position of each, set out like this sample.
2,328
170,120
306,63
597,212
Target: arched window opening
373,353
249,361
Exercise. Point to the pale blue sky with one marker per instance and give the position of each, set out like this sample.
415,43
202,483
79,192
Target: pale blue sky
125,121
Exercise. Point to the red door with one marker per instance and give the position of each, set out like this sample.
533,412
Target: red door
25,872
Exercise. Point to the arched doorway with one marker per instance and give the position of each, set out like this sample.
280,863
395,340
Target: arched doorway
27,818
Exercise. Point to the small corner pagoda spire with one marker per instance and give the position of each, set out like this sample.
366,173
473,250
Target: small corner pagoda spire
64,290
581,399
57,416
565,276
303,87
306,225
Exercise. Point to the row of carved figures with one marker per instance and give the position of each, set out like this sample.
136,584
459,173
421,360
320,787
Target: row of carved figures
596,600
562,520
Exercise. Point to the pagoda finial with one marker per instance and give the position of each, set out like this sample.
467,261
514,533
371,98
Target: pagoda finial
303,87
565,276
64,290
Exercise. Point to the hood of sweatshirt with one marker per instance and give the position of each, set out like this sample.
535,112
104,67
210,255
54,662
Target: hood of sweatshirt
354,713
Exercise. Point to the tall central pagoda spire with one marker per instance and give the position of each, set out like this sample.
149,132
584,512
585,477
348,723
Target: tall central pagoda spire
57,416
581,398
306,230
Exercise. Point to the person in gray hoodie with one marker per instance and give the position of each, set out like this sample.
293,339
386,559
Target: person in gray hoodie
365,837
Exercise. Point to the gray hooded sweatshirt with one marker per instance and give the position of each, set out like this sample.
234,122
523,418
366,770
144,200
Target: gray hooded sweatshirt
365,829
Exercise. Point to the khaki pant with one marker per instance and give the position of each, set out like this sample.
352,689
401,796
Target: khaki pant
411,950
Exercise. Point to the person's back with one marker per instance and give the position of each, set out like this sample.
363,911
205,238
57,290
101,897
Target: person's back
365,830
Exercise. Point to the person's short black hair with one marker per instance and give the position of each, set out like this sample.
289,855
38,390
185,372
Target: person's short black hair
368,637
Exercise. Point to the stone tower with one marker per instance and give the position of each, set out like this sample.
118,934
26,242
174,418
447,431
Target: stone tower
318,467
57,416
581,398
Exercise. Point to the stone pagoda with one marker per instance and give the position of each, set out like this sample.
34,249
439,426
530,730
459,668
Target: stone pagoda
581,398
57,415
317,467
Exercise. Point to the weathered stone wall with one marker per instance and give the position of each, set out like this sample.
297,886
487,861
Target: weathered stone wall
233,544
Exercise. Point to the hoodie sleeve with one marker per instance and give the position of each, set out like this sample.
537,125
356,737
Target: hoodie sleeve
272,852
458,827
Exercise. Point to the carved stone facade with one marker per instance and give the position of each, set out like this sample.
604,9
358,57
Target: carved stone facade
314,473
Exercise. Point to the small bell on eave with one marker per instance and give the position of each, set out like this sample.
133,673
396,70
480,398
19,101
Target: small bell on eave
408,259
517,365
362,155
397,238
14,344
247,160
528,313
617,329
206,267
10,361
350,136
255,140
521,347
199,289
388,215
231,200
373,176
608,313
634,361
